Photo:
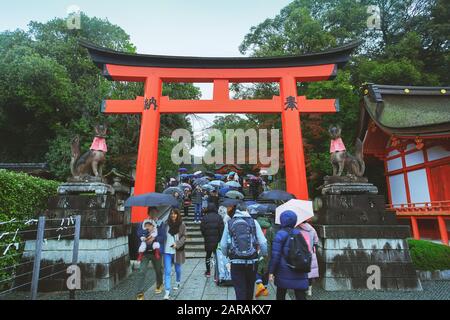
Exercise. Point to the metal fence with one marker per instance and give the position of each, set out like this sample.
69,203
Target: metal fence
20,260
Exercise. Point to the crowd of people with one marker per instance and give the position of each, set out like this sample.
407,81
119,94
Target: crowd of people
258,250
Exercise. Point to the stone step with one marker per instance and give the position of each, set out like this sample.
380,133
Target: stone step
195,255
195,247
196,240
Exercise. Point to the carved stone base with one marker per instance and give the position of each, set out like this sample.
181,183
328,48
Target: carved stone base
83,187
356,235
349,188
344,179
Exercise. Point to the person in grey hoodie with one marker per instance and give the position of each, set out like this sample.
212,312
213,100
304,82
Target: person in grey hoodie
243,267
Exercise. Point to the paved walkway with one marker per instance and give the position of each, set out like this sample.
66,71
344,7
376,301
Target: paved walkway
195,286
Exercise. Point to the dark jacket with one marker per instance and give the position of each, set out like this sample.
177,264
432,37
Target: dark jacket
285,277
212,228
197,196
214,199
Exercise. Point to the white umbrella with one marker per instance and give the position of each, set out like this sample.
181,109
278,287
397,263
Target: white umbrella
197,173
303,209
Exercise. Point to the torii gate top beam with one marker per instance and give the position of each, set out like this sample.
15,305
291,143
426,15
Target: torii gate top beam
103,56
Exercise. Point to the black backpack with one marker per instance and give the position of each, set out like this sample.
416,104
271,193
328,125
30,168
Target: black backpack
298,258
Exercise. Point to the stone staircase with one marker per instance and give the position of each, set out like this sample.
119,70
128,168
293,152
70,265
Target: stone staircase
195,244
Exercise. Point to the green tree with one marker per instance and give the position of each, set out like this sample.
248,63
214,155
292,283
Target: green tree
51,91
411,48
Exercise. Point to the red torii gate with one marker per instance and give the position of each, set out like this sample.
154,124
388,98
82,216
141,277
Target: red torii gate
154,70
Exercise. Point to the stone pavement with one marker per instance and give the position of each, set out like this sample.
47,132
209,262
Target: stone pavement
195,286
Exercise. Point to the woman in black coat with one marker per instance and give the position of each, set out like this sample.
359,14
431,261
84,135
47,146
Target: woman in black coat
212,229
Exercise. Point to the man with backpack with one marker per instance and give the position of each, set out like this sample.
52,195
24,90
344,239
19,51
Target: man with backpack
291,259
241,240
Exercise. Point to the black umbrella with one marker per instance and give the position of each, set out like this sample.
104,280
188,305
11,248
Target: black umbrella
276,195
152,199
230,202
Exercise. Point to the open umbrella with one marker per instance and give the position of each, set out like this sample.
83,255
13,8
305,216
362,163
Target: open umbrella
197,173
208,187
152,199
185,186
251,203
200,181
182,170
233,184
218,176
303,209
276,195
234,195
230,202
173,190
223,191
217,183
261,208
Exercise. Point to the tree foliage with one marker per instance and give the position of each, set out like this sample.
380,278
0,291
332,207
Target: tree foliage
51,91
410,48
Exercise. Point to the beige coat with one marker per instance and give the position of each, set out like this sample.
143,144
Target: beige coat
180,237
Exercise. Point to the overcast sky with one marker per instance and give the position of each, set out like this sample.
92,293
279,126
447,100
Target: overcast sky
171,27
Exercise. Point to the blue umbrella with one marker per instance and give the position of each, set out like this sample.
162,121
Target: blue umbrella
223,191
173,190
152,199
217,183
208,187
233,184
276,195
182,170
251,203
201,181
218,176
234,195
261,208
230,202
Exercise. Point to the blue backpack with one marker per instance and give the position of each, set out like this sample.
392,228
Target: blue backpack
243,239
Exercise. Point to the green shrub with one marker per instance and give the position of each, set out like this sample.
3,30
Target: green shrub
429,256
22,197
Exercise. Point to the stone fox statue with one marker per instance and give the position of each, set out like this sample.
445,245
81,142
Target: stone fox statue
341,159
90,163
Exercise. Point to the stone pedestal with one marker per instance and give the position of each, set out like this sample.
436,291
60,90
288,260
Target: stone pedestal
103,255
356,232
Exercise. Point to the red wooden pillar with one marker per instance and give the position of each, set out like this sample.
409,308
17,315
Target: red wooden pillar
415,228
148,145
292,138
443,230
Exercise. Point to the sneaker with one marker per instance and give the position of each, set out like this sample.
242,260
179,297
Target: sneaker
158,290
167,295
309,291
177,286
259,290
140,296
207,274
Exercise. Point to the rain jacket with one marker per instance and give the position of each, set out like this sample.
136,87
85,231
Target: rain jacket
260,238
285,277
